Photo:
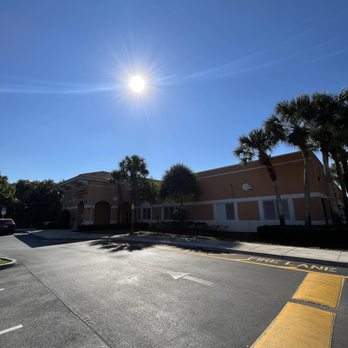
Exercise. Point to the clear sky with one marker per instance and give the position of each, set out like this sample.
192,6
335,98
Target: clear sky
214,70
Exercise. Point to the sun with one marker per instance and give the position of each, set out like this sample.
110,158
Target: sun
137,84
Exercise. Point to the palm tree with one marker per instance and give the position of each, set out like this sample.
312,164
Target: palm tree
259,144
133,173
339,143
289,125
116,178
322,130
341,134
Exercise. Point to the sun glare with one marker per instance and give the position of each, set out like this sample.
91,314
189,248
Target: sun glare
137,84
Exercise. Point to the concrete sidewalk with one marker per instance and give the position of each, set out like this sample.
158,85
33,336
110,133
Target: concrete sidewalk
334,257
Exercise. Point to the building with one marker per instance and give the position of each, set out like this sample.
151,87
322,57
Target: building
236,197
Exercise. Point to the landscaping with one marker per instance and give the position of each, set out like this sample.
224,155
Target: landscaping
319,236
3,261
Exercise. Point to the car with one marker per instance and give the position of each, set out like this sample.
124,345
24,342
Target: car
7,226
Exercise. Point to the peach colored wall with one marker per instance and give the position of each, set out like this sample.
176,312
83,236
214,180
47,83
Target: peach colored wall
229,186
248,211
201,212
113,215
73,197
317,212
156,213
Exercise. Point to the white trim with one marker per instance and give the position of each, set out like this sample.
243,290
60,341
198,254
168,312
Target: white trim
291,209
261,211
248,199
87,222
235,207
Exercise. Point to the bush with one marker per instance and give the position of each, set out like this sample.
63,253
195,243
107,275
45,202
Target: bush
190,227
64,218
108,227
316,235
181,216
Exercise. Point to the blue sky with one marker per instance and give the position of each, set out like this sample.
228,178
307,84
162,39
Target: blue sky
215,70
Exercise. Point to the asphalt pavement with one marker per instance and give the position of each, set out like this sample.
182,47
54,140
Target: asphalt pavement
102,293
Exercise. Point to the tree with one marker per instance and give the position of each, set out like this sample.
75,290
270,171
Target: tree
289,124
7,195
179,182
149,191
322,130
260,144
132,172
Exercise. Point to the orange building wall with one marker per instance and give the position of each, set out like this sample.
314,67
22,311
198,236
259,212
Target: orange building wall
201,212
248,211
317,212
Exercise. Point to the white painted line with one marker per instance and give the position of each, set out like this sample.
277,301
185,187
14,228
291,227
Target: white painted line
197,280
11,329
177,275
2,289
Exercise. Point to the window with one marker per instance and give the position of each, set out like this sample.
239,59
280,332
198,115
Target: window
270,211
229,210
224,211
168,213
146,213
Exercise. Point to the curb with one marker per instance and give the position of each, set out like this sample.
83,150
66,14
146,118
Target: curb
201,247
253,253
12,262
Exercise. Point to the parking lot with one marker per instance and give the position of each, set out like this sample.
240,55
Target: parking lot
103,294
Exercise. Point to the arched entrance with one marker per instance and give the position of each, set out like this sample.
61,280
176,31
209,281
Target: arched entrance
79,216
102,211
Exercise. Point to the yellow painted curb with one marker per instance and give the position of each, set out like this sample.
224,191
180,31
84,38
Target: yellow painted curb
319,288
298,326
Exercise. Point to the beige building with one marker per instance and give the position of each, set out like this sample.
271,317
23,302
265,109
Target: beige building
238,198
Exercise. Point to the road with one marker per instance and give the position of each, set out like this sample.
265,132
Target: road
102,294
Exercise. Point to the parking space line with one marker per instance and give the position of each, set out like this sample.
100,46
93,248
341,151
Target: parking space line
2,289
198,280
321,289
11,329
298,325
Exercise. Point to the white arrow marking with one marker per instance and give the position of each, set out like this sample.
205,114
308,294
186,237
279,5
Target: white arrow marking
177,275
197,280
11,329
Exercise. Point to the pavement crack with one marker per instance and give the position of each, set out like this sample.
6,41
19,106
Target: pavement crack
84,320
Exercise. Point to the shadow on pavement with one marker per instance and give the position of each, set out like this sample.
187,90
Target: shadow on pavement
114,246
36,242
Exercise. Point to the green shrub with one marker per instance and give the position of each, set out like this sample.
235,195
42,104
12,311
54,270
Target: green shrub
316,235
108,227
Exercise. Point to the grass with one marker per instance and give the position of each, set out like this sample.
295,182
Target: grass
3,261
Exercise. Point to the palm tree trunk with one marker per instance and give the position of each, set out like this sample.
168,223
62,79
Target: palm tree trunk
120,202
307,190
342,184
343,156
330,184
279,206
